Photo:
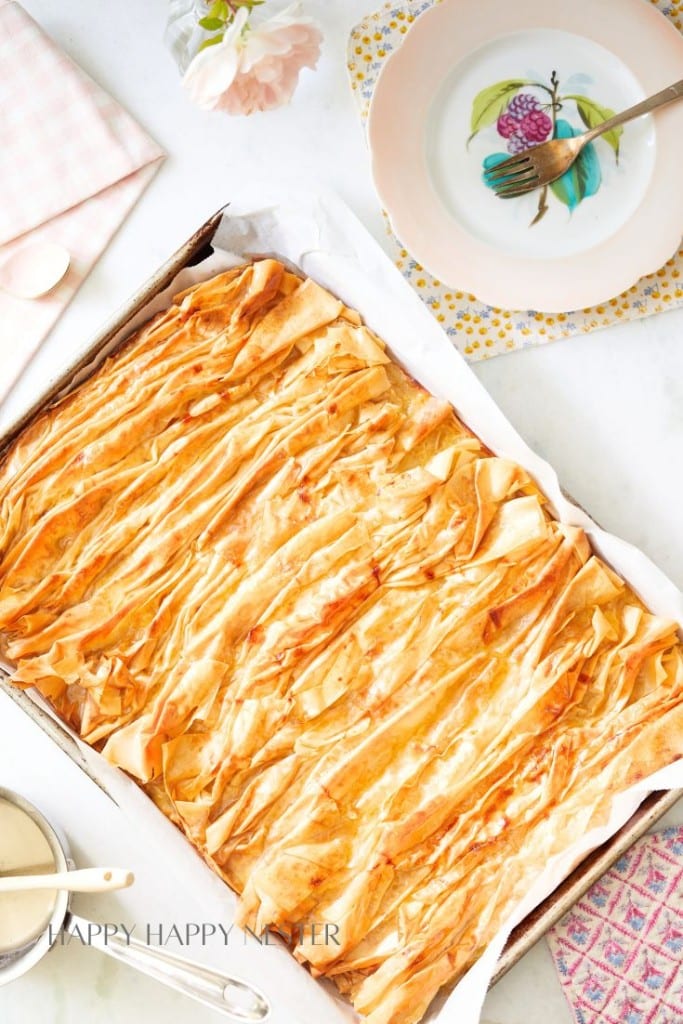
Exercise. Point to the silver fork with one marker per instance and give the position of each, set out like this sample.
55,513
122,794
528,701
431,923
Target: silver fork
542,164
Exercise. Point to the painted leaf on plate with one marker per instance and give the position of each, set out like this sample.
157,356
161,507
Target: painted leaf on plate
592,114
490,103
491,161
583,178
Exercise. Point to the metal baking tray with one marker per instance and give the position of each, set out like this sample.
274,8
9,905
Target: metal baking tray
536,924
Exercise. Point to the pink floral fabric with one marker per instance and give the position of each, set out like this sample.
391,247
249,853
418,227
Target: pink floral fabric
619,951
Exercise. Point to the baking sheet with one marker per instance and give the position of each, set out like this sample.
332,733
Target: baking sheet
317,234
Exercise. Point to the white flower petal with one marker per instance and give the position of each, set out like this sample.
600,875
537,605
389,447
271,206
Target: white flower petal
255,69
212,71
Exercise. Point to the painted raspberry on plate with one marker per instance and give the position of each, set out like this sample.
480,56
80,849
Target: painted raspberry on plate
507,125
528,113
517,144
524,123
522,104
535,127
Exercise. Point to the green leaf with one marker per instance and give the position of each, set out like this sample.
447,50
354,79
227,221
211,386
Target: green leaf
583,178
219,9
212,24
490,103
211,42
592,114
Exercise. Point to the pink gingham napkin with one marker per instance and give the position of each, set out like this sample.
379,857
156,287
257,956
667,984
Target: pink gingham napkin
72,165
619,951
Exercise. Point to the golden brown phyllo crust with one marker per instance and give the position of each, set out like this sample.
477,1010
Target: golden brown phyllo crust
341,644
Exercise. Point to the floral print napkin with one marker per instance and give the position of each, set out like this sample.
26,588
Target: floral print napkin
477,330
619,951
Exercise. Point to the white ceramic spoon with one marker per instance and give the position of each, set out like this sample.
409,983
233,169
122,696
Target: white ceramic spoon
34,270
83,880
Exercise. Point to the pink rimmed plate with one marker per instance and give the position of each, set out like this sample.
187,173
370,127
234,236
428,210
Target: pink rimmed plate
475,80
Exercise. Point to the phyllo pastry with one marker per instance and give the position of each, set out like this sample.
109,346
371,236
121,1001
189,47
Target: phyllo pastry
340,643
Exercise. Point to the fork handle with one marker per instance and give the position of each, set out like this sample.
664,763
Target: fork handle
668,95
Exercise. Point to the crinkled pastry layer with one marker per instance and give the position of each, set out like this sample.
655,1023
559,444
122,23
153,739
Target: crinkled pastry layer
344,647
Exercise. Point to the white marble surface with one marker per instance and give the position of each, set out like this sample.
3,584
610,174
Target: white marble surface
606,410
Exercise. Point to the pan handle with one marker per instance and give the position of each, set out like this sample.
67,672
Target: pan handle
236,999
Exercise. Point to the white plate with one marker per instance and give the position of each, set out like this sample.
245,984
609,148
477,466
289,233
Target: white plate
471,80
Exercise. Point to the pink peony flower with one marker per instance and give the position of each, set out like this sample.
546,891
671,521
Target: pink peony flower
254,68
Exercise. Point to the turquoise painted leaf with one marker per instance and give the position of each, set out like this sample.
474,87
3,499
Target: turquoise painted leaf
583,178
489,163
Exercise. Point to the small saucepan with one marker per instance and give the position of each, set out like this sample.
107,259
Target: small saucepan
30,922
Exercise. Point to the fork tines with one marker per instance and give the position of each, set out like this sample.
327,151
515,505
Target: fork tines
512,177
